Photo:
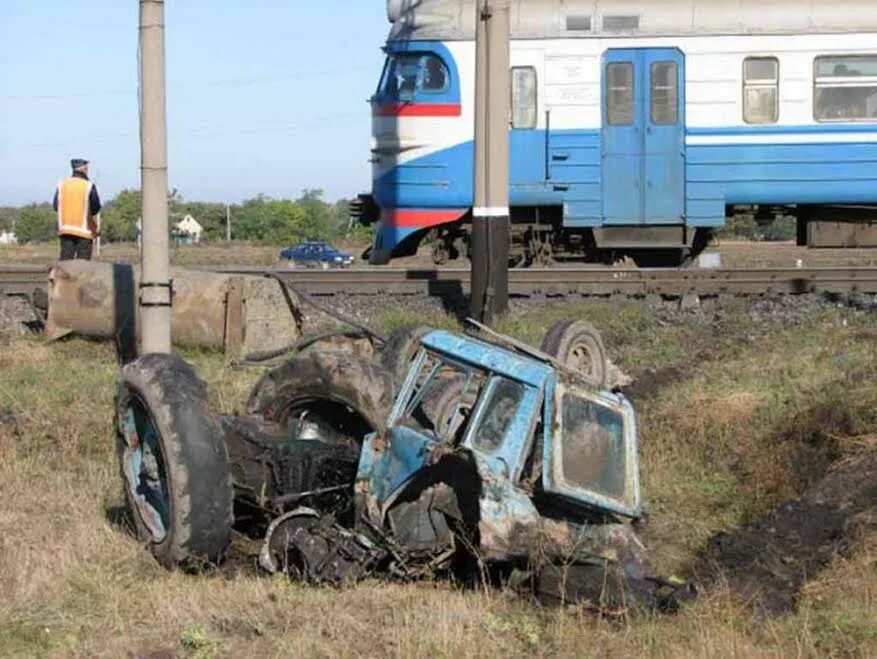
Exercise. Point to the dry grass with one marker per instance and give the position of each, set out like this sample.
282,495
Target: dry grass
785,255
734,255
236,253
721,446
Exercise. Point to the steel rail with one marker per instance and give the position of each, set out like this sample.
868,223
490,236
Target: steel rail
26,279
22,279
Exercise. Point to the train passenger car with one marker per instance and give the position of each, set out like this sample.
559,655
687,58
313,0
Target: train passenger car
636,127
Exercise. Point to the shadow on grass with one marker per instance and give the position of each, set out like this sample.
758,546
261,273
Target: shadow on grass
120,518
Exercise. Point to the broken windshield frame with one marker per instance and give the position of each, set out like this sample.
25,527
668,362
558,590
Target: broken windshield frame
441,416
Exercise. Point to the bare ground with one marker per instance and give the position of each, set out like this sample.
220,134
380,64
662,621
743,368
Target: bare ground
768,562
758,471
733,254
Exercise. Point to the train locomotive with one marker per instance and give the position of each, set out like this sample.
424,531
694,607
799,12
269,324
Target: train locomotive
636,129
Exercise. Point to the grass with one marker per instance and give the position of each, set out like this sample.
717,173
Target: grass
723,442
217,253
734,254
237,253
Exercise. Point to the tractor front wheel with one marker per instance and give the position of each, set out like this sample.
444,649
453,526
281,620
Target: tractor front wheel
578,345
173,462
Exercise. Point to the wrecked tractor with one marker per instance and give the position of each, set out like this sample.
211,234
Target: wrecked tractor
442,454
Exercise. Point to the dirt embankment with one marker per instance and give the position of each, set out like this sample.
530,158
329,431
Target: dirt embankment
767,562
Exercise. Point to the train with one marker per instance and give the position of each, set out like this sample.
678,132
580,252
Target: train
636,128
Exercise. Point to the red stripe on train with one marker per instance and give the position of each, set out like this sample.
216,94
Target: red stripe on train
418,110
411,218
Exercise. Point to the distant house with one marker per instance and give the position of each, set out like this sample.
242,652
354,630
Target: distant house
8,238
187,231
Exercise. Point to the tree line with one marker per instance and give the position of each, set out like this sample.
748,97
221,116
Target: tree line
260,219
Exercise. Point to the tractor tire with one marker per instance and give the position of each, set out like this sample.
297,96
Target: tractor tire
578,345
401,349
340,397
443,399
174,463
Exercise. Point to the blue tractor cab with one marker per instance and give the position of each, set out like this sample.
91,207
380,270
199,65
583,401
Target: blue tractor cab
500,452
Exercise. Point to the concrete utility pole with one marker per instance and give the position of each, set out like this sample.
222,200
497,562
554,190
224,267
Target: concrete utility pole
155,285
490,217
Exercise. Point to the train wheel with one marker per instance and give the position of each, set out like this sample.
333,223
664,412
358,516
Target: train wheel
173,462
440,252
459,248
578,345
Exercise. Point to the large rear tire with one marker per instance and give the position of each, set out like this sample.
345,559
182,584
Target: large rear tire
578,345
174,463
401,349
335,396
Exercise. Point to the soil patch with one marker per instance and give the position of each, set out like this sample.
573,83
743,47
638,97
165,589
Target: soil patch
651,381
767,563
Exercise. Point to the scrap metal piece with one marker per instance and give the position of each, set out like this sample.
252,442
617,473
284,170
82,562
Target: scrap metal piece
317,550
274,466
99,300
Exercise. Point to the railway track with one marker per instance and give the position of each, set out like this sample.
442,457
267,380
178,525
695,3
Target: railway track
27,279
22,279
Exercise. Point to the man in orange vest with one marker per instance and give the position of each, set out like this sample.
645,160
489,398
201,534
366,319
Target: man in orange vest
78,206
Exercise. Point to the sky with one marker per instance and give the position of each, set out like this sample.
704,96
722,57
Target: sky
264,96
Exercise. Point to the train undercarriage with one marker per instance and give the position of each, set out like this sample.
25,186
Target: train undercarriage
539,238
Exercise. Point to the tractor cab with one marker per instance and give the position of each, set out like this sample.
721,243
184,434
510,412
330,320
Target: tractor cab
543,447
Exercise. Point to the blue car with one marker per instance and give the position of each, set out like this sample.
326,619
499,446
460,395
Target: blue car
316,254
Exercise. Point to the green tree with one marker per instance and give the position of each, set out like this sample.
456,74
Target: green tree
317,214
342,227
740,227
7,217
782,228
119,217
36,223
275,221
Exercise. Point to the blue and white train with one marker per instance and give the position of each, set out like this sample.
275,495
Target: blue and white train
636,127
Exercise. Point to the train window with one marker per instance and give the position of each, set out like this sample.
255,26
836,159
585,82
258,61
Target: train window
620,23
524,110
619,96
406,75
845,88
435,74
385,75
665,93
761,90
577,23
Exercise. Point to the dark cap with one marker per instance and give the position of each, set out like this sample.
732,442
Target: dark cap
76,163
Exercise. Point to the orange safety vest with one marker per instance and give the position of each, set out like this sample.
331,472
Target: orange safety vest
73,207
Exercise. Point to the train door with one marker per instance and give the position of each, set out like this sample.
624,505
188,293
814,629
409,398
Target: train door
527,143
643,136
